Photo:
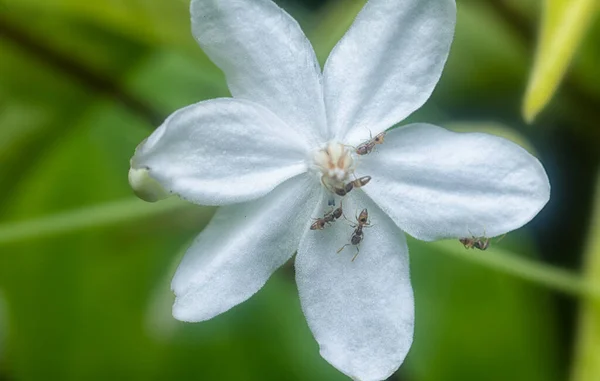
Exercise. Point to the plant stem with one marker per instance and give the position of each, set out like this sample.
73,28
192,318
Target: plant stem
132,209
520,267
587,350
94,216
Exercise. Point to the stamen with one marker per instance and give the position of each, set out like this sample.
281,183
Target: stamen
335,163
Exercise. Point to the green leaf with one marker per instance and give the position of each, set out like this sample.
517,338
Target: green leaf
335,19
587,359
476,324
3,325
564,25
493,128
154,22
77,302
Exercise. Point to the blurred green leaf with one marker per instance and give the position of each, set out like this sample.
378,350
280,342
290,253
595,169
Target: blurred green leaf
79,300
172,80
155,22
479,73
334,20
587,360
476,324
269,325
3,326
564,24
493,128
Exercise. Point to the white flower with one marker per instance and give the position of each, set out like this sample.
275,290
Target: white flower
275,150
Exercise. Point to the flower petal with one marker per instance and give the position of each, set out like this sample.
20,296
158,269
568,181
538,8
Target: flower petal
387,65
439,184
222,151
266,58
361,313
239,250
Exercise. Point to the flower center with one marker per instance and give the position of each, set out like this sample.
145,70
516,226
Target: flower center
335,163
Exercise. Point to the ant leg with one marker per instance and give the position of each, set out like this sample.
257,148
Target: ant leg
342,248
351,223
355,255
327,187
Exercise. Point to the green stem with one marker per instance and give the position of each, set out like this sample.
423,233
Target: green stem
94,216
520,267
133,209
587,360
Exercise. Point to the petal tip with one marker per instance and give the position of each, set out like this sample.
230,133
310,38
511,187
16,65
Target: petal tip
144,186
182,312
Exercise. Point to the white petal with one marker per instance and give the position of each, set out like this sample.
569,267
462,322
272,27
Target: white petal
222,151
361,313
266,59
239,250
387,65
439,184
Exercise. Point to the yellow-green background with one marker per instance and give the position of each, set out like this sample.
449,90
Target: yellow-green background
83,82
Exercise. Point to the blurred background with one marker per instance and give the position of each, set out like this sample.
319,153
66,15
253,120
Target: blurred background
85,267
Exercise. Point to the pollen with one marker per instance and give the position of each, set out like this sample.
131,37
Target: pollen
335,163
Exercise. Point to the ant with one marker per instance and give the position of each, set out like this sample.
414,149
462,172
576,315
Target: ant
358,183
328,218
357,234
480,243
319,224
366,147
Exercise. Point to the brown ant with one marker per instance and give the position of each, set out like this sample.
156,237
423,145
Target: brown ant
357,234
334,214
328,218
319,224
366,147
480,243
358,183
